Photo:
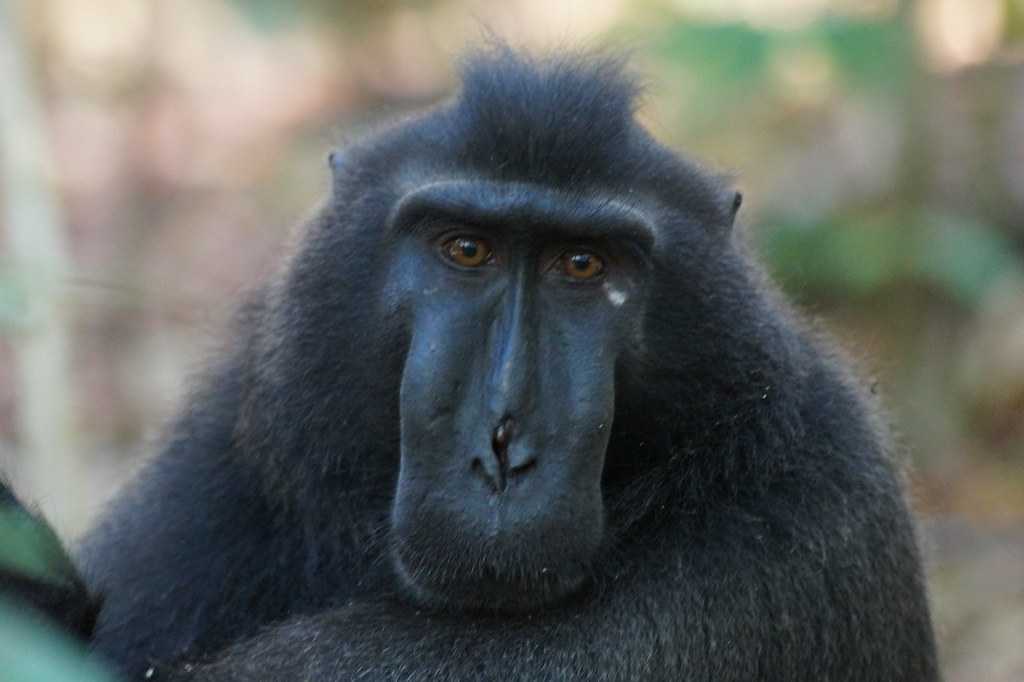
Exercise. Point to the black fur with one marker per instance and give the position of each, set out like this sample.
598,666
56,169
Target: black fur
755,523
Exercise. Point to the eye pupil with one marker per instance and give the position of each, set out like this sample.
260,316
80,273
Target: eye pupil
467,252
582,265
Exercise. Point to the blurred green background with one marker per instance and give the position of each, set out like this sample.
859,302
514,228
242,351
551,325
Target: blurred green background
154,154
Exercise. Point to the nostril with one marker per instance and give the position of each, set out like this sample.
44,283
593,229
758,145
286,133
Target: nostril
493,479
497,471
524,468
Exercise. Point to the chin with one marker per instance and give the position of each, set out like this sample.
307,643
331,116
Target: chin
479,586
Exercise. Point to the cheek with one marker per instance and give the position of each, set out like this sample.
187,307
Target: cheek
440,405
574,403
443,354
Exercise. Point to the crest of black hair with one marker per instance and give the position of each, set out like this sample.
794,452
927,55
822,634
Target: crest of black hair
564,119
554,116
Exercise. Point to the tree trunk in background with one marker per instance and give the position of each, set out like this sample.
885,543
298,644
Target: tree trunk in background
37,250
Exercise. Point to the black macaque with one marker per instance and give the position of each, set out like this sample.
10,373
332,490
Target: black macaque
520,407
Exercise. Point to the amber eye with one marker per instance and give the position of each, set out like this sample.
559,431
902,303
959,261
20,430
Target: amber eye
468,252
582,265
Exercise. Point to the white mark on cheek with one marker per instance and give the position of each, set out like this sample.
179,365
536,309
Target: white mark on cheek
615,297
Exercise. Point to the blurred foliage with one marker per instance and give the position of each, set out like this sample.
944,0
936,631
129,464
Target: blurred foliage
31,651
854,255
853,251
346,16
31,548
869,54
1014,31
735,61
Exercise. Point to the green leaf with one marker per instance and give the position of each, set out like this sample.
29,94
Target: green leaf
723,55
868,54
268,15
863,254
836,257
28,546
965,256
33,652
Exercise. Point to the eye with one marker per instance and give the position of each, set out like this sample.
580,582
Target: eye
469,252
581,265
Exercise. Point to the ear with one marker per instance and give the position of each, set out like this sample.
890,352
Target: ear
334,160
737,201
